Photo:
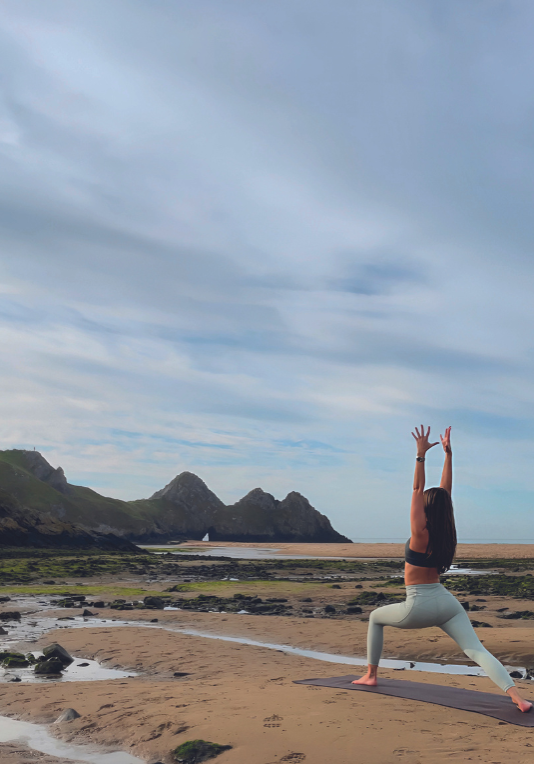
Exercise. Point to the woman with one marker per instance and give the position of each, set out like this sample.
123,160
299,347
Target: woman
428,552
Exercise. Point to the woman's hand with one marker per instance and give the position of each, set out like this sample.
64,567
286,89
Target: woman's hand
446,441
422,441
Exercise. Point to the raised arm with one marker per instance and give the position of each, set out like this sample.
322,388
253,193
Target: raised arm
417,511
446,475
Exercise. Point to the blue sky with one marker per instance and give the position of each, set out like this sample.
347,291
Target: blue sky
261,241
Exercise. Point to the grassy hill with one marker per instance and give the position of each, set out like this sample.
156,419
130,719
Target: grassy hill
184,508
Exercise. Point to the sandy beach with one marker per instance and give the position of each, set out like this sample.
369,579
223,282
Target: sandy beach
383,551
191,687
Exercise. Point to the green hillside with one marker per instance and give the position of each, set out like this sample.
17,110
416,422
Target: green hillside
184,508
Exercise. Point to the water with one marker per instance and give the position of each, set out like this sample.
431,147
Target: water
92,671
45,624
38,737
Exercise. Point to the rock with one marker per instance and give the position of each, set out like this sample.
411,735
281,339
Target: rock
5,599
154,620
353,609
3,631
329,609
50,583
10,615
15,679
67,716
181,673
50,667
336,586
58,652
516,675
87,613
81,665
358,586
157,603
99,603
306,599
465,605
10,659
196,751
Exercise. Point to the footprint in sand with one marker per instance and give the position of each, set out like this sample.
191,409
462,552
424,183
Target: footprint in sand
273,721
294,757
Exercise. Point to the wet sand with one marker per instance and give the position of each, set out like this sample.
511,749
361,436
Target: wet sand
244,696
384,551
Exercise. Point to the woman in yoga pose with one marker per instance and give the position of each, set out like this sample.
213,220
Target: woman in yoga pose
430,551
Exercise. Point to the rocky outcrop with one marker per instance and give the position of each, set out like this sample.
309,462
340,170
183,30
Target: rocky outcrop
42,470
185,508
260,517
20,526
188,493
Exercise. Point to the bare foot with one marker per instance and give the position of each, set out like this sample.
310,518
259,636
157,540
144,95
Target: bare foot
369,679
523,705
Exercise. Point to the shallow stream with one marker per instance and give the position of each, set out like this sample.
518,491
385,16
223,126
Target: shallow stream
38,737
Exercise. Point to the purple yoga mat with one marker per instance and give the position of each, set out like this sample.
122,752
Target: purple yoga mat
497,706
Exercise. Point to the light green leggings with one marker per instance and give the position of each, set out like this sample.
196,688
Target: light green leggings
432,605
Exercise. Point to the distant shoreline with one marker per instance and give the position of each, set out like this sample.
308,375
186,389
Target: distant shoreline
362,549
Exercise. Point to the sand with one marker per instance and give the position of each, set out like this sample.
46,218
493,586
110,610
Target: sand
384,551
244,696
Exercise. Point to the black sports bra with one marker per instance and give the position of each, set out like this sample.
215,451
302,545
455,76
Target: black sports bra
419,559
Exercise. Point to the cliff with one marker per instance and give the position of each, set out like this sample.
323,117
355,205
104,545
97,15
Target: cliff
185,508
20,526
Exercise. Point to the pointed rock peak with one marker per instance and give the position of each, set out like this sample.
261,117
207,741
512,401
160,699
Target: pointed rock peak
188,487
35,463
258,498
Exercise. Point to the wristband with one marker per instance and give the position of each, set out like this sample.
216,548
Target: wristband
419,458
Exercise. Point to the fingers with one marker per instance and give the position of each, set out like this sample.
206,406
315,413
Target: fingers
414,436
428,432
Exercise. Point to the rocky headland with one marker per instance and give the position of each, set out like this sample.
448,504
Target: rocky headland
185,508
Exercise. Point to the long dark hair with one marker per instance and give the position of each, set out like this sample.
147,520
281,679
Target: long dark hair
441,527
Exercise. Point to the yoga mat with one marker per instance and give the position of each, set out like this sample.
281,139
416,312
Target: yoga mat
497,706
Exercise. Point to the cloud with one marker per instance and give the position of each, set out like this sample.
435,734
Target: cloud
260,241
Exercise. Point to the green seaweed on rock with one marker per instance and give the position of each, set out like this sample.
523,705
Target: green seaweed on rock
196,751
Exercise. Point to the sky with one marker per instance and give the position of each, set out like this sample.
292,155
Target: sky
261,241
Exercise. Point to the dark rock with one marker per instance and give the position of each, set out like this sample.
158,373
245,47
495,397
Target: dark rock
13,660
336,586
67,716
15,679
10,615
55,651
154,620
5,599
87,613
353,609
181,673
81,665
465,605
51,583
501,609
358,586
516,675
306,599
481,624
480,600
99,603
158,603
3,631
329,609
49,667
196,751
